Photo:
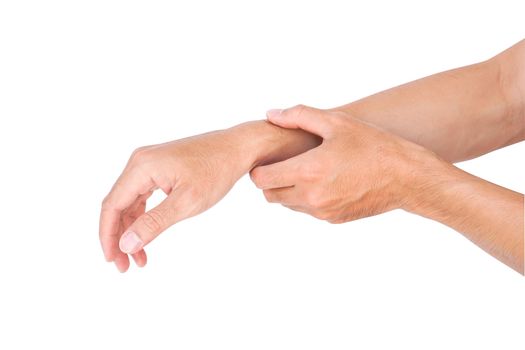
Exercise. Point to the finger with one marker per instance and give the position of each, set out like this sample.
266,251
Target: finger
276,175
136,209
297,208
129,216
109,232
285,196
129,186
122,262
152,223
313,120
125,191
140,258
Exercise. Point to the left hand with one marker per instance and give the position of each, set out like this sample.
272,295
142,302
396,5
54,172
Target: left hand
194,173
357,171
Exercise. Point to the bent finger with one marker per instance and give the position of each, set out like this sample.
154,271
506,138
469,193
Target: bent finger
277,175
313,120
123,194
155,221
285,195
140,258
122,262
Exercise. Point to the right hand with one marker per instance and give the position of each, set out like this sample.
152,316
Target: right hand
194,173
359,170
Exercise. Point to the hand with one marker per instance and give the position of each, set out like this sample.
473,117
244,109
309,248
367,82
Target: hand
194,173
357,171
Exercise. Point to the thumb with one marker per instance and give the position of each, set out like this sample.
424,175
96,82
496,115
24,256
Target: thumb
310,119
148,226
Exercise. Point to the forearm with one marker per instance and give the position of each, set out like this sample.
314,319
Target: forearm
489,215
458,114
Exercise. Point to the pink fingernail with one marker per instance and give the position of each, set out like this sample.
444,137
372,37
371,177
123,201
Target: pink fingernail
130,242
274,113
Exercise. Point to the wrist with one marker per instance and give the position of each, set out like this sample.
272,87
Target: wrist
429,183
242,147
261,142
252,141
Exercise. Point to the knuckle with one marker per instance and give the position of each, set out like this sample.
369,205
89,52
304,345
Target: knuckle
107,202
317,199
256,175
332,125
340,218
268,195
139,154
312,199
321,215
337,122
104,202
299,109
153,221
343,216
311,171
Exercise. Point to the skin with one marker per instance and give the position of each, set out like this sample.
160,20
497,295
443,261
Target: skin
194,173
458,114
360,170
387,151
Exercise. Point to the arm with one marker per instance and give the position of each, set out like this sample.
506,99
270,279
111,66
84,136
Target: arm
360,170
194,173
458,114
216,160
487,214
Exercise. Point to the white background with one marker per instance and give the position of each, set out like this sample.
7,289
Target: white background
83,83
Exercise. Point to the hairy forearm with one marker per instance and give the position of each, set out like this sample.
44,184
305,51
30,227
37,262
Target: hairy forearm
489,215
458,114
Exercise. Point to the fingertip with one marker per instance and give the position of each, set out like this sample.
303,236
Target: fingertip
130,243
120,268
122,263
274,114
256,175
140,258
108,256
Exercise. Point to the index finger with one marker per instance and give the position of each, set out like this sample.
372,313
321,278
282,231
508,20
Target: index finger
276,175
129,186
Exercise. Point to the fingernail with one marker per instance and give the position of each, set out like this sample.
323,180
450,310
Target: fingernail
130,242
274,113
